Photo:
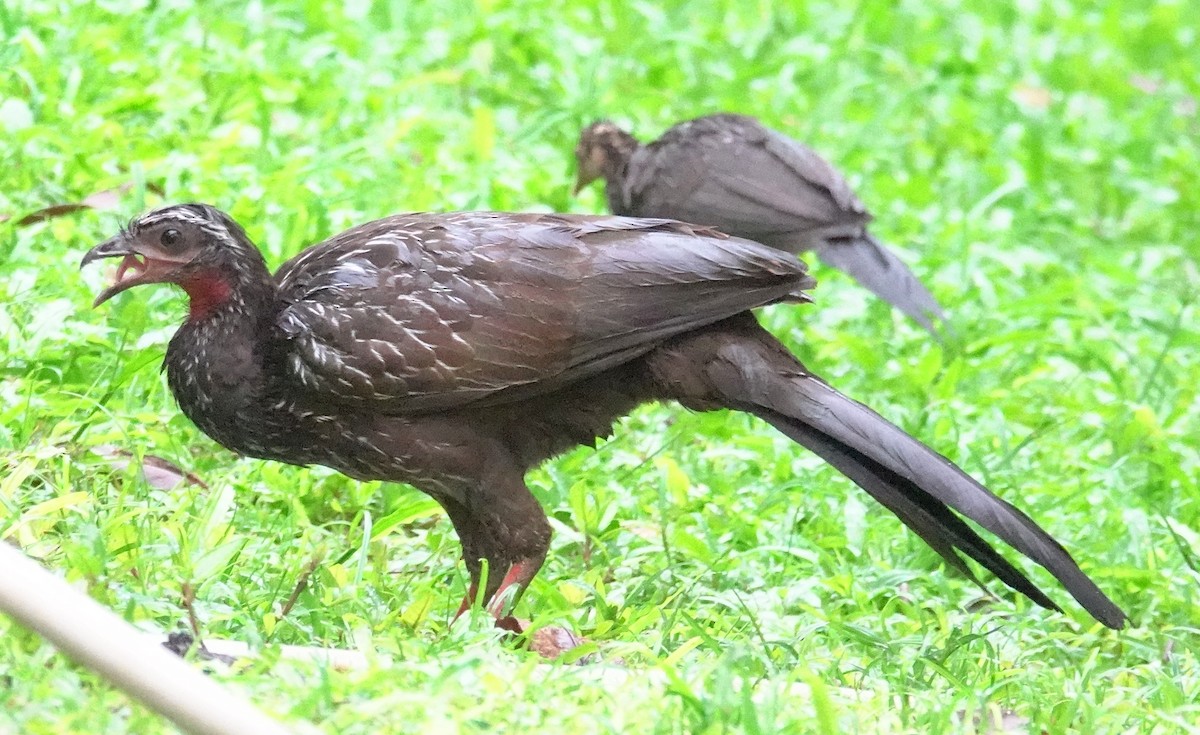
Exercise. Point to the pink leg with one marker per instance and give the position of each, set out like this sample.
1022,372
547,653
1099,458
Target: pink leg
519,575
467,602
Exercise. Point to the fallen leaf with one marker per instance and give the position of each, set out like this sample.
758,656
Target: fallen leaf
553,641
158,472
99,201
550,641
45,213
106,199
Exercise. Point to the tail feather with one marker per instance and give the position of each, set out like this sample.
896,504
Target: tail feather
910,479
932,521
882,272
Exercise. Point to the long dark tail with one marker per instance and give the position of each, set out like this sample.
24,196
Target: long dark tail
881,271
746,369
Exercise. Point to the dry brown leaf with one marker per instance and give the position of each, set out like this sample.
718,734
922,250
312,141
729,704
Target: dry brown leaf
45,213
553,641
550,641
158,472
100,201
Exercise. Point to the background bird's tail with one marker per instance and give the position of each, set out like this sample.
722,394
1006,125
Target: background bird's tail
746,369
882,272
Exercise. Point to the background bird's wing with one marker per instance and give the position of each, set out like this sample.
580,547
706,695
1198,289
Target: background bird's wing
732,173
427,312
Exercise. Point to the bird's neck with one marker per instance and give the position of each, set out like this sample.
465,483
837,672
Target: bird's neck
620,155
207,292
219,362
228,307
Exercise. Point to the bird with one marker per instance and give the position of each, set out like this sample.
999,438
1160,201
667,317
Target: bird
455,351
733,173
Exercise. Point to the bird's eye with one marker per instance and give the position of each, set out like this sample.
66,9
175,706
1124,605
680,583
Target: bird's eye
170,238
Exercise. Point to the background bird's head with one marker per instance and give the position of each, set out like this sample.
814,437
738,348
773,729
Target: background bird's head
195,246
603,150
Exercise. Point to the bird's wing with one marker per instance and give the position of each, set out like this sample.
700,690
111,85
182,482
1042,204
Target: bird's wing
425,312
732,173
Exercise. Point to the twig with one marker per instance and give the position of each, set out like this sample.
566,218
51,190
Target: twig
301,584
93,636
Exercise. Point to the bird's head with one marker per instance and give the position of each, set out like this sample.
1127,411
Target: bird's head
603,151
195,246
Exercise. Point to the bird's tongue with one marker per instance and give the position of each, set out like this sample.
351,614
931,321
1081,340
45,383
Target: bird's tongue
136,269
132,262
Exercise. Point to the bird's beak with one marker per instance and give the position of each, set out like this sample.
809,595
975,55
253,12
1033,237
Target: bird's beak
135,269
582,179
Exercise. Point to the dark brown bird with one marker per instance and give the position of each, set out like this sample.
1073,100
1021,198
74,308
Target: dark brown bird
732,173
455,351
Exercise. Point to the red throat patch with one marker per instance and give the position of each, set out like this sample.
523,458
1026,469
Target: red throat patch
207,291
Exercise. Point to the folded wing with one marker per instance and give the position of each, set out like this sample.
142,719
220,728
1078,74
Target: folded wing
487,306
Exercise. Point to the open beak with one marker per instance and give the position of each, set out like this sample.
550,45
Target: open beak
135,268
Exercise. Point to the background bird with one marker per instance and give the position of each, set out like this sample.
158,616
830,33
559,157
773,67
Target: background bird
732,173
455,351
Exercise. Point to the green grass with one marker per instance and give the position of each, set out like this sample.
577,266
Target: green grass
1036,163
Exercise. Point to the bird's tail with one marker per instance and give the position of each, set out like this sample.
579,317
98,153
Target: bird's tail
744,368
882,272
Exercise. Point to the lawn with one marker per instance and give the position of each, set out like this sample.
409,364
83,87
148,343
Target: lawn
1036,162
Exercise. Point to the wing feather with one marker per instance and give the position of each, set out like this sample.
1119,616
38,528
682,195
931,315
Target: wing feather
425,312
731,172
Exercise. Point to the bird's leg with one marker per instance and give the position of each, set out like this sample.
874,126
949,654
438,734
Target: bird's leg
468,601
519,575
518,578
509,530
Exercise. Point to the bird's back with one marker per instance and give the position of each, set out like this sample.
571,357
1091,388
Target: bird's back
732,173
